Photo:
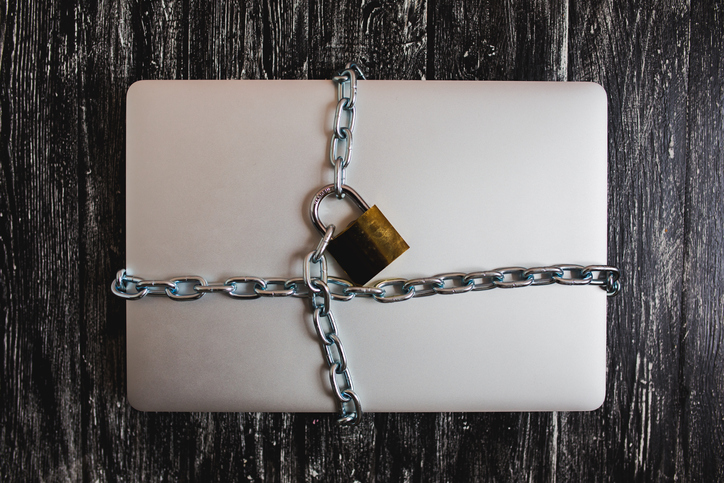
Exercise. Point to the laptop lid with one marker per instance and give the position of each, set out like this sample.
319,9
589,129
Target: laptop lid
473,175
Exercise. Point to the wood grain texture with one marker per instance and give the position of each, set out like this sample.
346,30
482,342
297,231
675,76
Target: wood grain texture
640,55
387,37
702,333
65,67
491,40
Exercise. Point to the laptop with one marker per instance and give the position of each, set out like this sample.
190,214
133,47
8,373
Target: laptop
473,175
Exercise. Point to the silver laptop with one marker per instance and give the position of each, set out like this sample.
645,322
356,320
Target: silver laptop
473,175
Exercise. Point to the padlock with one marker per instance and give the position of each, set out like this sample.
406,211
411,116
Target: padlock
368,245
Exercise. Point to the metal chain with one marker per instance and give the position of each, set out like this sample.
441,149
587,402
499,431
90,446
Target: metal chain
320,296
340,147
388,290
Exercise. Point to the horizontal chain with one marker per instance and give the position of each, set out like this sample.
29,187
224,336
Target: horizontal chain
385,291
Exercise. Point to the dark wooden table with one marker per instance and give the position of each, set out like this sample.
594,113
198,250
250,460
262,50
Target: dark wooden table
65,69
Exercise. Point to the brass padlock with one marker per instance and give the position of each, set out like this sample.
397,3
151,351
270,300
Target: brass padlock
367,245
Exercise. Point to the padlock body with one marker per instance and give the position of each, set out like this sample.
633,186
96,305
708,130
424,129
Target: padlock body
366,246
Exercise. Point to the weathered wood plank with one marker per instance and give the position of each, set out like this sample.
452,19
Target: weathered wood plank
524,40
40,269
702,337
640,55
388,38
111,51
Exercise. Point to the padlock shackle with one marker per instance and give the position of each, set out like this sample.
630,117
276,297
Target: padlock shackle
326,191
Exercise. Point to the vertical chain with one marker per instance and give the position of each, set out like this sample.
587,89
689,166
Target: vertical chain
320,296
340,147
340,155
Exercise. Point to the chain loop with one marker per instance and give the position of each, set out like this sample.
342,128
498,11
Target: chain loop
334,370
341,359
213,287
323,243
340,282
547,275
265,291
237,282
407,293
364,291
324,293
339,178
576,275
489,275
340,131
192,280
422,282
307,270
298,286
351,418
463,286
517,278
119,286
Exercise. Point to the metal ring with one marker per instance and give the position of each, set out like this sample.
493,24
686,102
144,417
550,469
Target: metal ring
326,191
120,291
349,419
344,296
364,291
265,292
348,76
492,275
550,271
342,362
413,283
214,287
323,243
613,288
523,282
355,67
236,281
338,130
333,381
295,284
339,178
122,277
573,281
605,270
174,294
153,285
392,298
307,271
324,293
334,144
466,287
355,417
318,325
